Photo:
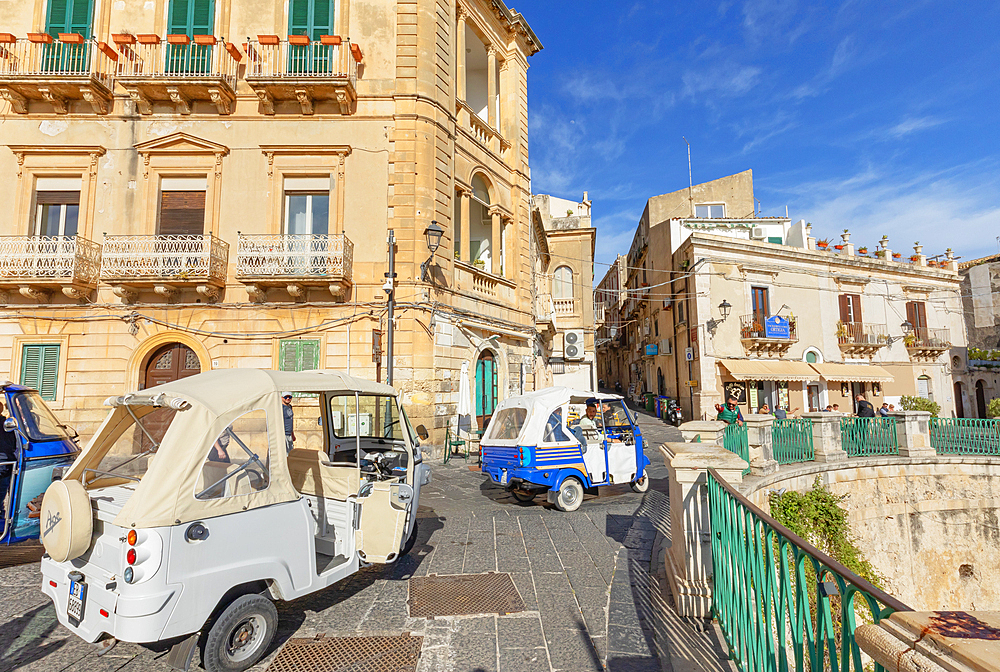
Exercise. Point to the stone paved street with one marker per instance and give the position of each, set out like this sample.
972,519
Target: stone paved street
584,578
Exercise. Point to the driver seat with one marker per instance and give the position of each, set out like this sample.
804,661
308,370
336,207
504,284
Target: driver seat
310,476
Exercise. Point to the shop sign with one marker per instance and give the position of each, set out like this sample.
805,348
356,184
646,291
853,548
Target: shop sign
776,327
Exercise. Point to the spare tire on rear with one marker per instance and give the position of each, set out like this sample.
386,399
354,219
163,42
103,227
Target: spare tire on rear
67,521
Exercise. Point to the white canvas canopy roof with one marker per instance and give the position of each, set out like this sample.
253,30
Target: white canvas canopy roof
210,402
540,405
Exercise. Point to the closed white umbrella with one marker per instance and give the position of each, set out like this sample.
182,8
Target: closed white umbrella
464,422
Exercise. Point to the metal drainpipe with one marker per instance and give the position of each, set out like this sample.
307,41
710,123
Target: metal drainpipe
391,275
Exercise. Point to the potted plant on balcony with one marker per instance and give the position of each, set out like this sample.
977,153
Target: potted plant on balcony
841,330
909,340
880,254
838,247
915,258
823,243
298,40
897,255
480,264
863,249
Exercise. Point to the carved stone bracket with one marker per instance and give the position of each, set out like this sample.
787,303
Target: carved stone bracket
166,291
296,291
305,100
266,101
126,294
182,102
257,293
4,296
18,103
337,290
210,293
58,102
77,293
35,293
343,100
222,102
142,103
99,103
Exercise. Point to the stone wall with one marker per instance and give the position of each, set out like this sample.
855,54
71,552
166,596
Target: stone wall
931,527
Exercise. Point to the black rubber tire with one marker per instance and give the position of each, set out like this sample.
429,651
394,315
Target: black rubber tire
250,617
523,497
410,541
570,495
640,486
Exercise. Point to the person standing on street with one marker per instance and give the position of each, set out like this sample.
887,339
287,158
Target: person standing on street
731,413
288,413
865,409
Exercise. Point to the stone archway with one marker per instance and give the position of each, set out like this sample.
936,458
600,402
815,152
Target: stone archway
168,363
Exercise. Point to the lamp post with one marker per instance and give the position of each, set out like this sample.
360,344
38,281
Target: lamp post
433,235
724,309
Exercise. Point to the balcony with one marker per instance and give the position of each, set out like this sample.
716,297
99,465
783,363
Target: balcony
856,338
59,72
181,71
166,264
301,71
924,343
37,265
484,134
295,263
763,334
544,311
472,279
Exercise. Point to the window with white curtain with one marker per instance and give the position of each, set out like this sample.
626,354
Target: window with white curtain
562,283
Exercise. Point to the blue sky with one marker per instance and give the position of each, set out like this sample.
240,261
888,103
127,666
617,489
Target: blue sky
878,116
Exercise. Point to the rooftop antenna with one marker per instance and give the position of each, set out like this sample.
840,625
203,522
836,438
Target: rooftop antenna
690,196
758,207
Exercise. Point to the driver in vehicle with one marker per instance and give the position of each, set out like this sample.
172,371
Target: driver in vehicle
586,429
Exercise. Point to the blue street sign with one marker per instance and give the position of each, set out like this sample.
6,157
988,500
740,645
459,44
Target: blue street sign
776,327
652,349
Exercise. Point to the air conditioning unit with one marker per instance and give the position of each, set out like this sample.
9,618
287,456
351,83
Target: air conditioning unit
665,347
573,344
757,233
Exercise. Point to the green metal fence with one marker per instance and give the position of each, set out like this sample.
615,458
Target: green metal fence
965,436
774,614
735,440
869,436
792,440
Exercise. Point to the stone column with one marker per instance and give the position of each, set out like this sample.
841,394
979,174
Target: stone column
689,558
762,460
913,433
827,443
491,85
460,91
466,214
495,245
710,431
345,18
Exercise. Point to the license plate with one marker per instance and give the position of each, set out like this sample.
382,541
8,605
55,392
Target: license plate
503,477
77,597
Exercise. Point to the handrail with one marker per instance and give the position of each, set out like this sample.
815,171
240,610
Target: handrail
83,58
764,599
810,550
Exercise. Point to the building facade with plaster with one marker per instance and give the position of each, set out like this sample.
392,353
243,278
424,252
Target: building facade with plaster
758,308
211,183
980,381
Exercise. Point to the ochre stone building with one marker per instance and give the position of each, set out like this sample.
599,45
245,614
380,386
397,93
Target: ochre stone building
200,184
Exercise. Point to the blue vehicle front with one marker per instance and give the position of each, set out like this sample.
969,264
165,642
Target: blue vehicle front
34,448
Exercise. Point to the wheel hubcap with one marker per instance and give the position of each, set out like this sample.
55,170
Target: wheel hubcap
245,638
570,495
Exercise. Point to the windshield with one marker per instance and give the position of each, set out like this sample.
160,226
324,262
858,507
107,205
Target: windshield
372,416
133,451
35,419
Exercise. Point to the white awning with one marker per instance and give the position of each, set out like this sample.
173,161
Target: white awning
769,369
835,372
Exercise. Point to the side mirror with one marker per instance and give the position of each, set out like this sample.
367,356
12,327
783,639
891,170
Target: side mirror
10,425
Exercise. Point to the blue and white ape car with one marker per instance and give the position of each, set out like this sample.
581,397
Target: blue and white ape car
563,442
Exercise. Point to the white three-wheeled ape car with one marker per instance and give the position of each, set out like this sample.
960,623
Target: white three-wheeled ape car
186,515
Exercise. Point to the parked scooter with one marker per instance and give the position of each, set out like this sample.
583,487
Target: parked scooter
673,414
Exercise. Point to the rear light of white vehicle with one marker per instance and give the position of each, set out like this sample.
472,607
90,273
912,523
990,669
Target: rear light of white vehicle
142,555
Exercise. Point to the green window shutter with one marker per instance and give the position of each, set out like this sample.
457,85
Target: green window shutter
57,20
322,18
298,17
40,369
310,17
298,355
192,17
69,16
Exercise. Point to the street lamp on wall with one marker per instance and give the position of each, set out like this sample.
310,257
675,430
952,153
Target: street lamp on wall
907,330
724,308
432,234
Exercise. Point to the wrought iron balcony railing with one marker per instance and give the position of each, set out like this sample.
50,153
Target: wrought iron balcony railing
294,262
35,264
302,70
923,338
862,336
138,260
57,71
754,326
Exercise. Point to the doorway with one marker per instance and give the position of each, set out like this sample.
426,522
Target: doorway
959,405
168,363
815,402
980,399
486,388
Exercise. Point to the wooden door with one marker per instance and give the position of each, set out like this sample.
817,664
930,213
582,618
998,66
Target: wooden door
486,388
167,364
916,315
761,303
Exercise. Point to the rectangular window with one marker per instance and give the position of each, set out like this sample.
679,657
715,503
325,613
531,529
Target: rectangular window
307,212
710,211
916,315
57,213
237,462
182,206
761,302
850,308
190,17
69,16
298,355
40,369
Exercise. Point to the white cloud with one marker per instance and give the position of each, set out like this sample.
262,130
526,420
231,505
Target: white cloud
912,125
724,79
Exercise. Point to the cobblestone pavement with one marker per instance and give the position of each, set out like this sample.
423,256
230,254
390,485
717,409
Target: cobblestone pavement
584,577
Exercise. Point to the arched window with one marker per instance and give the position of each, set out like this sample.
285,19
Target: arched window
480,189
562,283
